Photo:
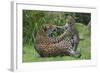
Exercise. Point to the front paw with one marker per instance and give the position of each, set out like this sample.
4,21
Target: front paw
77,54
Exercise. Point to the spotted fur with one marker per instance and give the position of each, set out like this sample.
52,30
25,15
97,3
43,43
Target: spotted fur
48,46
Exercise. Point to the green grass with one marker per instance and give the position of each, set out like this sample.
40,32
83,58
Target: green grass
30,54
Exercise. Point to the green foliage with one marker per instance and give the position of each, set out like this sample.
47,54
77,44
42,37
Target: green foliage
83,18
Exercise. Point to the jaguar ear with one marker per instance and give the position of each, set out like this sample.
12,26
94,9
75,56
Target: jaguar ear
71,19
44,28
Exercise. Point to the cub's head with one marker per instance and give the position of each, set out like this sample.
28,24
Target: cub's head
49,28
71,20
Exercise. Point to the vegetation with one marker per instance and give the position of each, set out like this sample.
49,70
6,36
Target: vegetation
34,20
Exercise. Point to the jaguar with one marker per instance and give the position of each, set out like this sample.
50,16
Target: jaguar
48,46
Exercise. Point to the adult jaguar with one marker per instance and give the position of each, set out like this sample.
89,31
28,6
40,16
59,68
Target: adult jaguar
48,46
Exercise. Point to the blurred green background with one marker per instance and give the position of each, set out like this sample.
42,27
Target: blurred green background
34,20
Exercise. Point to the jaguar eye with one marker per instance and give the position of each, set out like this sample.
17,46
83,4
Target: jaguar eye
54,30
45,29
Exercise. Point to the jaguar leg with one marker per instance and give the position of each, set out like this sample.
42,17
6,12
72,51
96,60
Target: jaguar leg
73,53
75,46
